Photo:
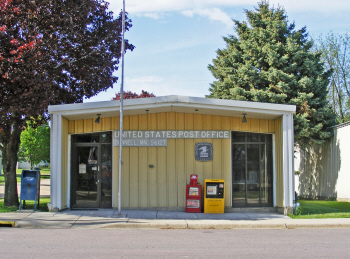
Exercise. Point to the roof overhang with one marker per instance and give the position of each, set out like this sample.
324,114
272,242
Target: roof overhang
173,103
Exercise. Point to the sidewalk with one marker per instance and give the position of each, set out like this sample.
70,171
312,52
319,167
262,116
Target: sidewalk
108,218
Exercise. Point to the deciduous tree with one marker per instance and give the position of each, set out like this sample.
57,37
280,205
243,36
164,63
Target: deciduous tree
131,95
335,49
51,52
35,144
270,61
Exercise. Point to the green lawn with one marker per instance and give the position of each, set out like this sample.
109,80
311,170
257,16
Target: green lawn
44,174
30,205
314,209
6,209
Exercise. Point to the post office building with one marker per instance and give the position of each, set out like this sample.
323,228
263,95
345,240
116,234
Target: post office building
164,141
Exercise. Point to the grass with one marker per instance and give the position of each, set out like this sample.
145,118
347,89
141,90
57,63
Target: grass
315,209
18,174
44,174
30,205
6,209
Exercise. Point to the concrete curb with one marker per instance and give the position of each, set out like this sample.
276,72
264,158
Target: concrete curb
180,225
26,224
7,223
148,226
157,220
233,226
222,225
310,225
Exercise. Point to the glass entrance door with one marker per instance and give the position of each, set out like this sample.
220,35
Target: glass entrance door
87,177
251,170
253,175
91,171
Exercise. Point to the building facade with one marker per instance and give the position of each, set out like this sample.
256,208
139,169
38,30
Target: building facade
165,140
323,170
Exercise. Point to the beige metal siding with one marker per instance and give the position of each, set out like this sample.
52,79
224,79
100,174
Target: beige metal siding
164,184
126,163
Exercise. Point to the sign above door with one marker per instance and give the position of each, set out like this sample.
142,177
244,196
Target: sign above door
158,138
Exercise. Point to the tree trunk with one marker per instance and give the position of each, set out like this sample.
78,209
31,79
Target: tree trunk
10,157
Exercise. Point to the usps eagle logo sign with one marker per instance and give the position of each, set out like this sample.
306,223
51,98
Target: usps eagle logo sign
204,151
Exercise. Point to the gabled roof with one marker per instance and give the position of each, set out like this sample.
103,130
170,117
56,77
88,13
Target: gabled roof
173,103
342,125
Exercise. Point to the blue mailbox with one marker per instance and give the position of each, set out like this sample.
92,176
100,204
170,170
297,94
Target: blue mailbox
30,187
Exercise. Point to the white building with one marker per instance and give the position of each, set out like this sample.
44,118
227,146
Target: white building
325,170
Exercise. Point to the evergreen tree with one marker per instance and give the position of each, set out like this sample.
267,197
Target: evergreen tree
270,61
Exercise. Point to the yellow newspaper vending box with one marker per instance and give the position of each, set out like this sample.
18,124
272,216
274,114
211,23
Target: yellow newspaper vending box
214,195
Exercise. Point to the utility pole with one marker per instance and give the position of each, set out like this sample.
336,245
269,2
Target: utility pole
121,114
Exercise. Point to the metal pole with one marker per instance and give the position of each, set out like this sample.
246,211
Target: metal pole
121,115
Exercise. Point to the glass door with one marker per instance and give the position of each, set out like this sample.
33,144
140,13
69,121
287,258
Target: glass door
239,175
251,170
91,171
86,176
106,176
253,175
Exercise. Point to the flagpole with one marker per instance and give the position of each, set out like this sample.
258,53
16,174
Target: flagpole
121,114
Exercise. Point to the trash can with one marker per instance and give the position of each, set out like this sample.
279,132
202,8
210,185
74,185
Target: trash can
30,188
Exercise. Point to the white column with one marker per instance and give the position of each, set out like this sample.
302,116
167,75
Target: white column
288,159
0,162
274,170
69,172
292,161
55,161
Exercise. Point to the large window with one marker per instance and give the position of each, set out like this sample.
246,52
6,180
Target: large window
251,169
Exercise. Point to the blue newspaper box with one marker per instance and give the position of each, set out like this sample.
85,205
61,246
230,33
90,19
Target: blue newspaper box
30,187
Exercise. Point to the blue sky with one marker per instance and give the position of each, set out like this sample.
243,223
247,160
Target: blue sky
176,40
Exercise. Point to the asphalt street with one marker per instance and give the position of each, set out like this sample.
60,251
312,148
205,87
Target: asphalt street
143,243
